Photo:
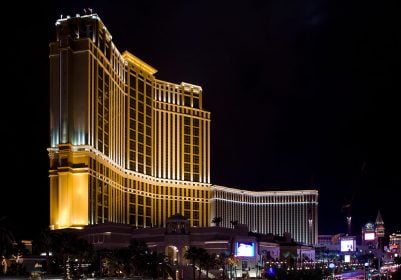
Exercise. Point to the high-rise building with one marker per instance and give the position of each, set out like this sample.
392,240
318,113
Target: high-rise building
128,148
125,147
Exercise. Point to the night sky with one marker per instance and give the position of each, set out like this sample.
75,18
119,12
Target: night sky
302,94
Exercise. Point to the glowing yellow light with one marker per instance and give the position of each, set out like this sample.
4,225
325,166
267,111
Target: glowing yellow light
138,62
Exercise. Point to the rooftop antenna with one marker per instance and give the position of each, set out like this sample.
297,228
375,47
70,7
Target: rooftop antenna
348,203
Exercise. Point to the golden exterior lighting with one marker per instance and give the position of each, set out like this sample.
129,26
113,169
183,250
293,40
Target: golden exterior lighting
125,147
132,59
128,148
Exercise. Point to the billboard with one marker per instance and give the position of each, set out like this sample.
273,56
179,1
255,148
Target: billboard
369,236
245,249
348,245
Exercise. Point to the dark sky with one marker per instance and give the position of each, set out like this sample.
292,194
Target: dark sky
303,94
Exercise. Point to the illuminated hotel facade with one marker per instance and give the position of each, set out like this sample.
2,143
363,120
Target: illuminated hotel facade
125,147
275,212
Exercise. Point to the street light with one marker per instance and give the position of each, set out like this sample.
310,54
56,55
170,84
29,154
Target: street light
332,266
367,272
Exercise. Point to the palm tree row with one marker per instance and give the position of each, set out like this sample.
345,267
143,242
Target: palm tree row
66,253
69,253
136,260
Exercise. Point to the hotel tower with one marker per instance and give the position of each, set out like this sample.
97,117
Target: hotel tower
128,148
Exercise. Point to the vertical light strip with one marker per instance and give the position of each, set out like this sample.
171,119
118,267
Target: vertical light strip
208,152
136,122
168,142
177,146
159,141
164,142
173,148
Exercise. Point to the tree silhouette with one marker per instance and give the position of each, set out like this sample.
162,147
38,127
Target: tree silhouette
217,221
6,239
44,243
193,255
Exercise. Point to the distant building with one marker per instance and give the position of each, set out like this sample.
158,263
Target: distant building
340,243
395,243
369,237
325,240
373,234
380,230
128,148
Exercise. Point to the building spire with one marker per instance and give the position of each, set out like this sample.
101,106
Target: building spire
379,219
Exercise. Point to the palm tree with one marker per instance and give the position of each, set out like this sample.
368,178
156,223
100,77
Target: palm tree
66,246
208,261
158,265
6,239
202,258
234,223
217,221
139,251
192,254
84,251
120,261
232,261
44,243
221,262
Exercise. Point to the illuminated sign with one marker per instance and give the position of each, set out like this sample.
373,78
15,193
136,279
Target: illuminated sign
348,245
370,236
347,258
244,249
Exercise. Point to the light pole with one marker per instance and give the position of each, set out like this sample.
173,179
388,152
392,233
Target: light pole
332,266
366,270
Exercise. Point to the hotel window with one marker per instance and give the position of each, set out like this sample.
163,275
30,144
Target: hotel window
195,101
140,85
148,89
187,101
187,148
187,121
187,158
187,214
187,130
